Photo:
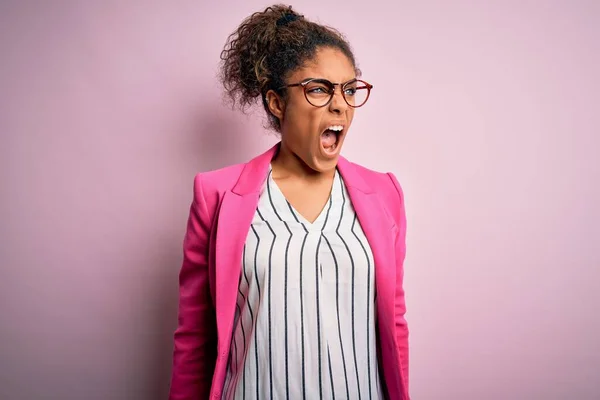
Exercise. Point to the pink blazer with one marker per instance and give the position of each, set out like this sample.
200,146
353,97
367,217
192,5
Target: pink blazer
220,215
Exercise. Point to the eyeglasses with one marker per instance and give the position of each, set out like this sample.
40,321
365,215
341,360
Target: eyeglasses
319,92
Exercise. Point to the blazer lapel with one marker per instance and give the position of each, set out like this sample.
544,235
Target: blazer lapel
378,227
235,216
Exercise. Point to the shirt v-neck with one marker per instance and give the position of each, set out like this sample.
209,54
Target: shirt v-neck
321,220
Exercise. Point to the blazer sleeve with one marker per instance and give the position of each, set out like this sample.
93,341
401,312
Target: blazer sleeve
195,339
401,325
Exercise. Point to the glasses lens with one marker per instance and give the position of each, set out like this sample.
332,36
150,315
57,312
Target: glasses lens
356,93
318,92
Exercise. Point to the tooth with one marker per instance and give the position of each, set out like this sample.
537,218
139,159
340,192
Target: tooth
336,128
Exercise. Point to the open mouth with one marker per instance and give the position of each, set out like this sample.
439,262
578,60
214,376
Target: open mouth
330,138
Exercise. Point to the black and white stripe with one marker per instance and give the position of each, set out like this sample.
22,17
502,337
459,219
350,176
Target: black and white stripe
304,324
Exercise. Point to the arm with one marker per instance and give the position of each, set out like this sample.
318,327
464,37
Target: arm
195,337
400,304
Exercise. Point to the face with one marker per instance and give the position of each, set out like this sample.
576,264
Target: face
305,129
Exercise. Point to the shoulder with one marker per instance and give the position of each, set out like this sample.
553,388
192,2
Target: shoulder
387,187
219,180
210,186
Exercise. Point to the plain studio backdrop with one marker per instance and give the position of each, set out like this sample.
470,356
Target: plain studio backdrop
488,113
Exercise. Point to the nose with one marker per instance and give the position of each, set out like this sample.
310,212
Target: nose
338,104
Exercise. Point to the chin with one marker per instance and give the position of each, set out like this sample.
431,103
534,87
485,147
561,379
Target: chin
317,160
324,165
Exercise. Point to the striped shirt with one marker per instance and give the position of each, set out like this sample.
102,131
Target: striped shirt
304,325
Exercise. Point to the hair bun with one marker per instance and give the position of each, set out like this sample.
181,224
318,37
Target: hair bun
286,18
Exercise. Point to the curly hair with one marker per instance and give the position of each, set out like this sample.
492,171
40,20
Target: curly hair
268,46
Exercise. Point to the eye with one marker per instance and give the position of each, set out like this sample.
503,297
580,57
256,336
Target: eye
351,91
317,90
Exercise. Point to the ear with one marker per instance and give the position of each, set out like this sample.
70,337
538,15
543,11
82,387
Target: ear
276,104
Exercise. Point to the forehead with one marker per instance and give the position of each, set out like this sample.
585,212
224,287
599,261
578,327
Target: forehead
328,63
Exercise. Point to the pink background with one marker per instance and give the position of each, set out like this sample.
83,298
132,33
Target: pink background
488,112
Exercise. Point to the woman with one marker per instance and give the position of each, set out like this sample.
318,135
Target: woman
291,285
